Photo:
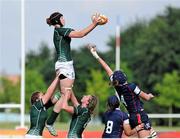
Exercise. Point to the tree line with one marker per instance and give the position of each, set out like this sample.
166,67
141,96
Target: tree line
150,54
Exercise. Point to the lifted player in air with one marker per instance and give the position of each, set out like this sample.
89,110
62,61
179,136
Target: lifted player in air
64,64
117,121
131,94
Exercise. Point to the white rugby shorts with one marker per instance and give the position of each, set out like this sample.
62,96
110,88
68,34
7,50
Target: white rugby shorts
65,68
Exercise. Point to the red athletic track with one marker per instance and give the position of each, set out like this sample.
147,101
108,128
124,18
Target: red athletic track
86,134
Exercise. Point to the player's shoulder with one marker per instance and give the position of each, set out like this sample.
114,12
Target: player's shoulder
124,115
132,85
62,28
120,115
110,112
63,31
135,88
120,112
82,109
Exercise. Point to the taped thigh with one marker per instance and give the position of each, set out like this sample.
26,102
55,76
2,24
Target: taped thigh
64,89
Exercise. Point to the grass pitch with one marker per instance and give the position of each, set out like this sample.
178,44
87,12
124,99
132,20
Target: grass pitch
90,126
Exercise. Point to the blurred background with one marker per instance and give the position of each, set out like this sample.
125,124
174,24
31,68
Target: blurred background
149,53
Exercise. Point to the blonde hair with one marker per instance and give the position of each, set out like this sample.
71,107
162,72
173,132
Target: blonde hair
92,103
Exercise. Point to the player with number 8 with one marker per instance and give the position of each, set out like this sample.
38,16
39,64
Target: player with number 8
117,121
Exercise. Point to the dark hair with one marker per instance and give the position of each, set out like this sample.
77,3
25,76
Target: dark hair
92,103
113,102
119,77
34,97
54,19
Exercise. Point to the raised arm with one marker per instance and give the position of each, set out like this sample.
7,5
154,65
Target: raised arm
141,93
65,106
92,49
50,90
146,96
85,31
74,100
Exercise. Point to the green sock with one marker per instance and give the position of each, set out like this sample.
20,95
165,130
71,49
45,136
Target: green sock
52,118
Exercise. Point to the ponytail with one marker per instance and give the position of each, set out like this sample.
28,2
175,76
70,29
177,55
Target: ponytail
48,21
54,19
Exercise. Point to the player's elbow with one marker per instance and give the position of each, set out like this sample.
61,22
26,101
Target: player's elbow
77,34
81,34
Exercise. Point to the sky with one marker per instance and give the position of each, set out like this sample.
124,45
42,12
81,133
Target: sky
77,14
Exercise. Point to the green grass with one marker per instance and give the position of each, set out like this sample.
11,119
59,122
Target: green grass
90,127
58,125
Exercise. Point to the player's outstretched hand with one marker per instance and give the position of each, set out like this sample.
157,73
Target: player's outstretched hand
96,18
151,96
92,48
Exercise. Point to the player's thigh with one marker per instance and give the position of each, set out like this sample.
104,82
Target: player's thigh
143,119
66,83
133,120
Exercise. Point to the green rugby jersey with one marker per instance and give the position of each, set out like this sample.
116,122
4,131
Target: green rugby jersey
38,116
62,43
79,121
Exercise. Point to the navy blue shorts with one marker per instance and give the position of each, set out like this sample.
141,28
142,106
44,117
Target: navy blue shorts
142,117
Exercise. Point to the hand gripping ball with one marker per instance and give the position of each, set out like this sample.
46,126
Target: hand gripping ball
103,18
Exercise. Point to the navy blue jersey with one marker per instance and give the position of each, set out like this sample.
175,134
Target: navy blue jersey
113,121
130,93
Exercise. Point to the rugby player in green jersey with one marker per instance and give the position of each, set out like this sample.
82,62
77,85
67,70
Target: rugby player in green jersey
81,113
64,64
38,113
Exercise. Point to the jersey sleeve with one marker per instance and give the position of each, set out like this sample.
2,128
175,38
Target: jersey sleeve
64,31
125,118
135,89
